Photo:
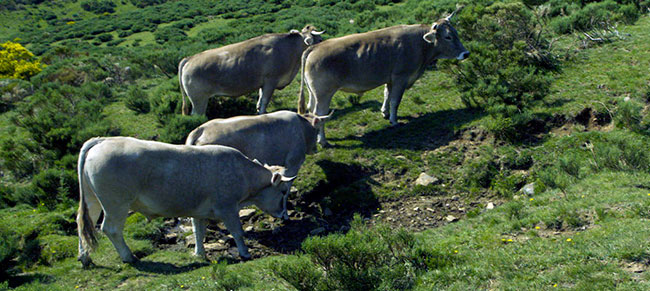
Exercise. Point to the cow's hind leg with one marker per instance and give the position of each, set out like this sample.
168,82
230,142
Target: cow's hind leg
265,96
384,106
199,104
322,109
199,233
395,96
113,227
233,224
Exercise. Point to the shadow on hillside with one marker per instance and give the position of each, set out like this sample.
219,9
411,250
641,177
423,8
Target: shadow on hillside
346,190
21,279
429,131
166,268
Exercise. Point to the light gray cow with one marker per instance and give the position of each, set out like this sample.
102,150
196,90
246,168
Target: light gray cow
280,138
266,62
118,174
395,56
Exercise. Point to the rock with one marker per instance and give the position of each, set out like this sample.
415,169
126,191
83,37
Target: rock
424,180
451,218
249,228
528,189
246,213
431,209
291,213
400,157
185,228
215,247
317,231
489,206
327,212
226,240
170,238
293,189
190,241
455,198
416,209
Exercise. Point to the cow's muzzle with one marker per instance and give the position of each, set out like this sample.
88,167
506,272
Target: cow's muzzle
463,55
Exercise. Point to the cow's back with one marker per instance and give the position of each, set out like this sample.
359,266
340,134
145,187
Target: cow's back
242,67
371,58
269,138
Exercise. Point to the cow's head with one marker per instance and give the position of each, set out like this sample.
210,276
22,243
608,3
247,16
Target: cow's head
273,199
309,35
445,39
311,133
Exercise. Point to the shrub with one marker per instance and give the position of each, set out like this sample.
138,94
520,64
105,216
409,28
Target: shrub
179,126
363,259
8,252
138,227
628,115
16,62
98,6
137,100
229,280
104,37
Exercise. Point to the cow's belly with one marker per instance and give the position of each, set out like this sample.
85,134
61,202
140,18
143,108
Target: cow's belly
158,206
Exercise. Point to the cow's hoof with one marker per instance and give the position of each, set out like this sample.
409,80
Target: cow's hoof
385,115
395,124
326,145
86,262
245,258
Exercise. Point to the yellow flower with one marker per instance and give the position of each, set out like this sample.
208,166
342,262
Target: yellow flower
203,278
70,22
42,204
531,199
569,239
76,287
455,251
583,196
555,285
509,240
503,239
537,227
182,286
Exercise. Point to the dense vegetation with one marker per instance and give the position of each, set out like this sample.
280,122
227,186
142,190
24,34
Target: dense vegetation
108,67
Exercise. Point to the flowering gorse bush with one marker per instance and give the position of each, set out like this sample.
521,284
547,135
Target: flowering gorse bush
16,62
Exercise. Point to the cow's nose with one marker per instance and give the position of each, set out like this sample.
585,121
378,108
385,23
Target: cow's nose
463,55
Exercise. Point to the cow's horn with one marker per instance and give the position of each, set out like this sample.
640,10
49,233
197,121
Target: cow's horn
326,117
288,179
317,32
450,15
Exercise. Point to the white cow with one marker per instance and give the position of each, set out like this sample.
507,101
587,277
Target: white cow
118,174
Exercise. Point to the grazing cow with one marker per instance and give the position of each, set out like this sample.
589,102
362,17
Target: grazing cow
266,62
118,174
280,138
395,56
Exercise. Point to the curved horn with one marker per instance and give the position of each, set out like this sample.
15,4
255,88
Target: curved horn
450,15
317,32
288,179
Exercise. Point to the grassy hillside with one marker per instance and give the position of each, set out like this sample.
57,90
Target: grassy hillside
359,220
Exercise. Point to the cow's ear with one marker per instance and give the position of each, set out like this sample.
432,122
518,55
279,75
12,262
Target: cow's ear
309,40
276,179
430,37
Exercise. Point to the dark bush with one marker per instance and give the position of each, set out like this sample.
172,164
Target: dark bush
104,37
179,126
8,252
98,6
137,100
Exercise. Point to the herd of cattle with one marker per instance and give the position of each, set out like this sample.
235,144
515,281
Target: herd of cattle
227,164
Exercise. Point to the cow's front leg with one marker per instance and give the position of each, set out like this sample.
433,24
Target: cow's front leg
199,226
265,96
395,96
233,224
384,106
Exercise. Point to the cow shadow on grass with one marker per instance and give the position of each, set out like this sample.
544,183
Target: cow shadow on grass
429,131
20,279
328,208
166,268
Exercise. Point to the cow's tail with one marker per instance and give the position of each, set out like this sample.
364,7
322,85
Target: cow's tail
301,95
185,110
85,226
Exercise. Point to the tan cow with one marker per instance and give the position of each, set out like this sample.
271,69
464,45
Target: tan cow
266,62
395,56
118,174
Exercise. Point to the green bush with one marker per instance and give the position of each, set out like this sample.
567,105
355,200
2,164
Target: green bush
8,252
104,37
138,227
629,115
137,100
229,280
179,126
363,259
98,6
